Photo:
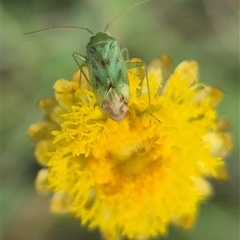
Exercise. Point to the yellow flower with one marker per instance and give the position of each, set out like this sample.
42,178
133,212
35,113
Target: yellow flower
134,177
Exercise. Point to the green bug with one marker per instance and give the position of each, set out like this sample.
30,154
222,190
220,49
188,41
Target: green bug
108,74
107,70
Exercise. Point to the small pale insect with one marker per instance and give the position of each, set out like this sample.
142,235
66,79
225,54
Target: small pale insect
107,69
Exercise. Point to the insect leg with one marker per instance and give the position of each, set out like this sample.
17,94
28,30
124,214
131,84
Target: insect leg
125,50
83,59
131,65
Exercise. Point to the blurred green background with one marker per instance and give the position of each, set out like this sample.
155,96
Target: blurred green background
203,30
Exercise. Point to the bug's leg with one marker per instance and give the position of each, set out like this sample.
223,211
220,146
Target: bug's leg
125,51
131,65
79,57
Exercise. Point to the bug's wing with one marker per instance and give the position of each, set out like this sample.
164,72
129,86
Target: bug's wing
117,71
114,105
98,75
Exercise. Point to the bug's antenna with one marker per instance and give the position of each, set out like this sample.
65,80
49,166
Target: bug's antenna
58,28
124,12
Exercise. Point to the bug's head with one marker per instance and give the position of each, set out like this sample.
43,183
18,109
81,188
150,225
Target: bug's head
100,35
99,38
